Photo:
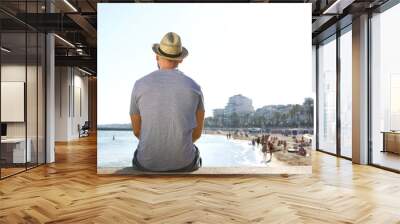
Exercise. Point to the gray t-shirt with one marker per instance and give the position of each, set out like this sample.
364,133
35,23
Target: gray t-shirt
167,101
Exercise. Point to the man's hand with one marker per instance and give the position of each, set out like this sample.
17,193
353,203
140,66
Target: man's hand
199,128
136,121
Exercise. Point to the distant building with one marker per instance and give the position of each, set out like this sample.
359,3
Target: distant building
239,104
218,112
239,113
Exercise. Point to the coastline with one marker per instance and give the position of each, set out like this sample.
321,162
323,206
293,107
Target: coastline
280,155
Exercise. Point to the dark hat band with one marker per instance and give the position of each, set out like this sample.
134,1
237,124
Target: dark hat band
169,55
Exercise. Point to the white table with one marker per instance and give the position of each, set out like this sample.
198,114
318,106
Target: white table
18,149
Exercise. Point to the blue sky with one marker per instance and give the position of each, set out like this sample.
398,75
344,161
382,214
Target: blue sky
262,51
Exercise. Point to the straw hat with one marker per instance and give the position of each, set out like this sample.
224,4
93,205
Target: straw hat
170,47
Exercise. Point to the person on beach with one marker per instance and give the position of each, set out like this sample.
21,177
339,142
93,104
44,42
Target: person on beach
265,151
167,113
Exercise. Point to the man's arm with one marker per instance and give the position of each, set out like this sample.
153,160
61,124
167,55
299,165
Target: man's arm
199,128
136,121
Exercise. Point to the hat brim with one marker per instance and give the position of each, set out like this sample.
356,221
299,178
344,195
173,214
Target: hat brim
183,55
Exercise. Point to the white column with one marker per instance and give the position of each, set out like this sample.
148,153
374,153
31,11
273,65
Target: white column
360,90
50,99
50,92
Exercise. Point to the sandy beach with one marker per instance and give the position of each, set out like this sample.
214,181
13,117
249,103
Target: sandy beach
281,156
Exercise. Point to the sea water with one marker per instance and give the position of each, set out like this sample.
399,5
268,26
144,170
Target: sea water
116,148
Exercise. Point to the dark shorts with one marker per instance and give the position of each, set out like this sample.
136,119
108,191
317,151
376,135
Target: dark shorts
195,165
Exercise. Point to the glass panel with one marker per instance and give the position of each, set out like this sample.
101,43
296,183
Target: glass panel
13,88
327,96
346,94
314,87
31,85
22,88
386,89
41,98
31,100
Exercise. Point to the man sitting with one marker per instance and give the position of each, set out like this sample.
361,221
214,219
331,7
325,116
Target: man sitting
167,113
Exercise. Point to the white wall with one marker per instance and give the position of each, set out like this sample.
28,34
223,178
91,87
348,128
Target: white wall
62,81
71,102
81,103
12,73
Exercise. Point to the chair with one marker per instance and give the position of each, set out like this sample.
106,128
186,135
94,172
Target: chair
84,130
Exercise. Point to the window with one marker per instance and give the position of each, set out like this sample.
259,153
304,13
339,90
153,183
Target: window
327,95
385,89
346,94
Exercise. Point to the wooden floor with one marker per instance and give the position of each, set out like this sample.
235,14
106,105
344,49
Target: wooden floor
69,191
10,171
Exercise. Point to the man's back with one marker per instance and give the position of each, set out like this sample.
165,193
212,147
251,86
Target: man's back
167,101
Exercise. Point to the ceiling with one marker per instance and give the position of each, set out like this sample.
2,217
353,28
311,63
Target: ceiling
75,22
